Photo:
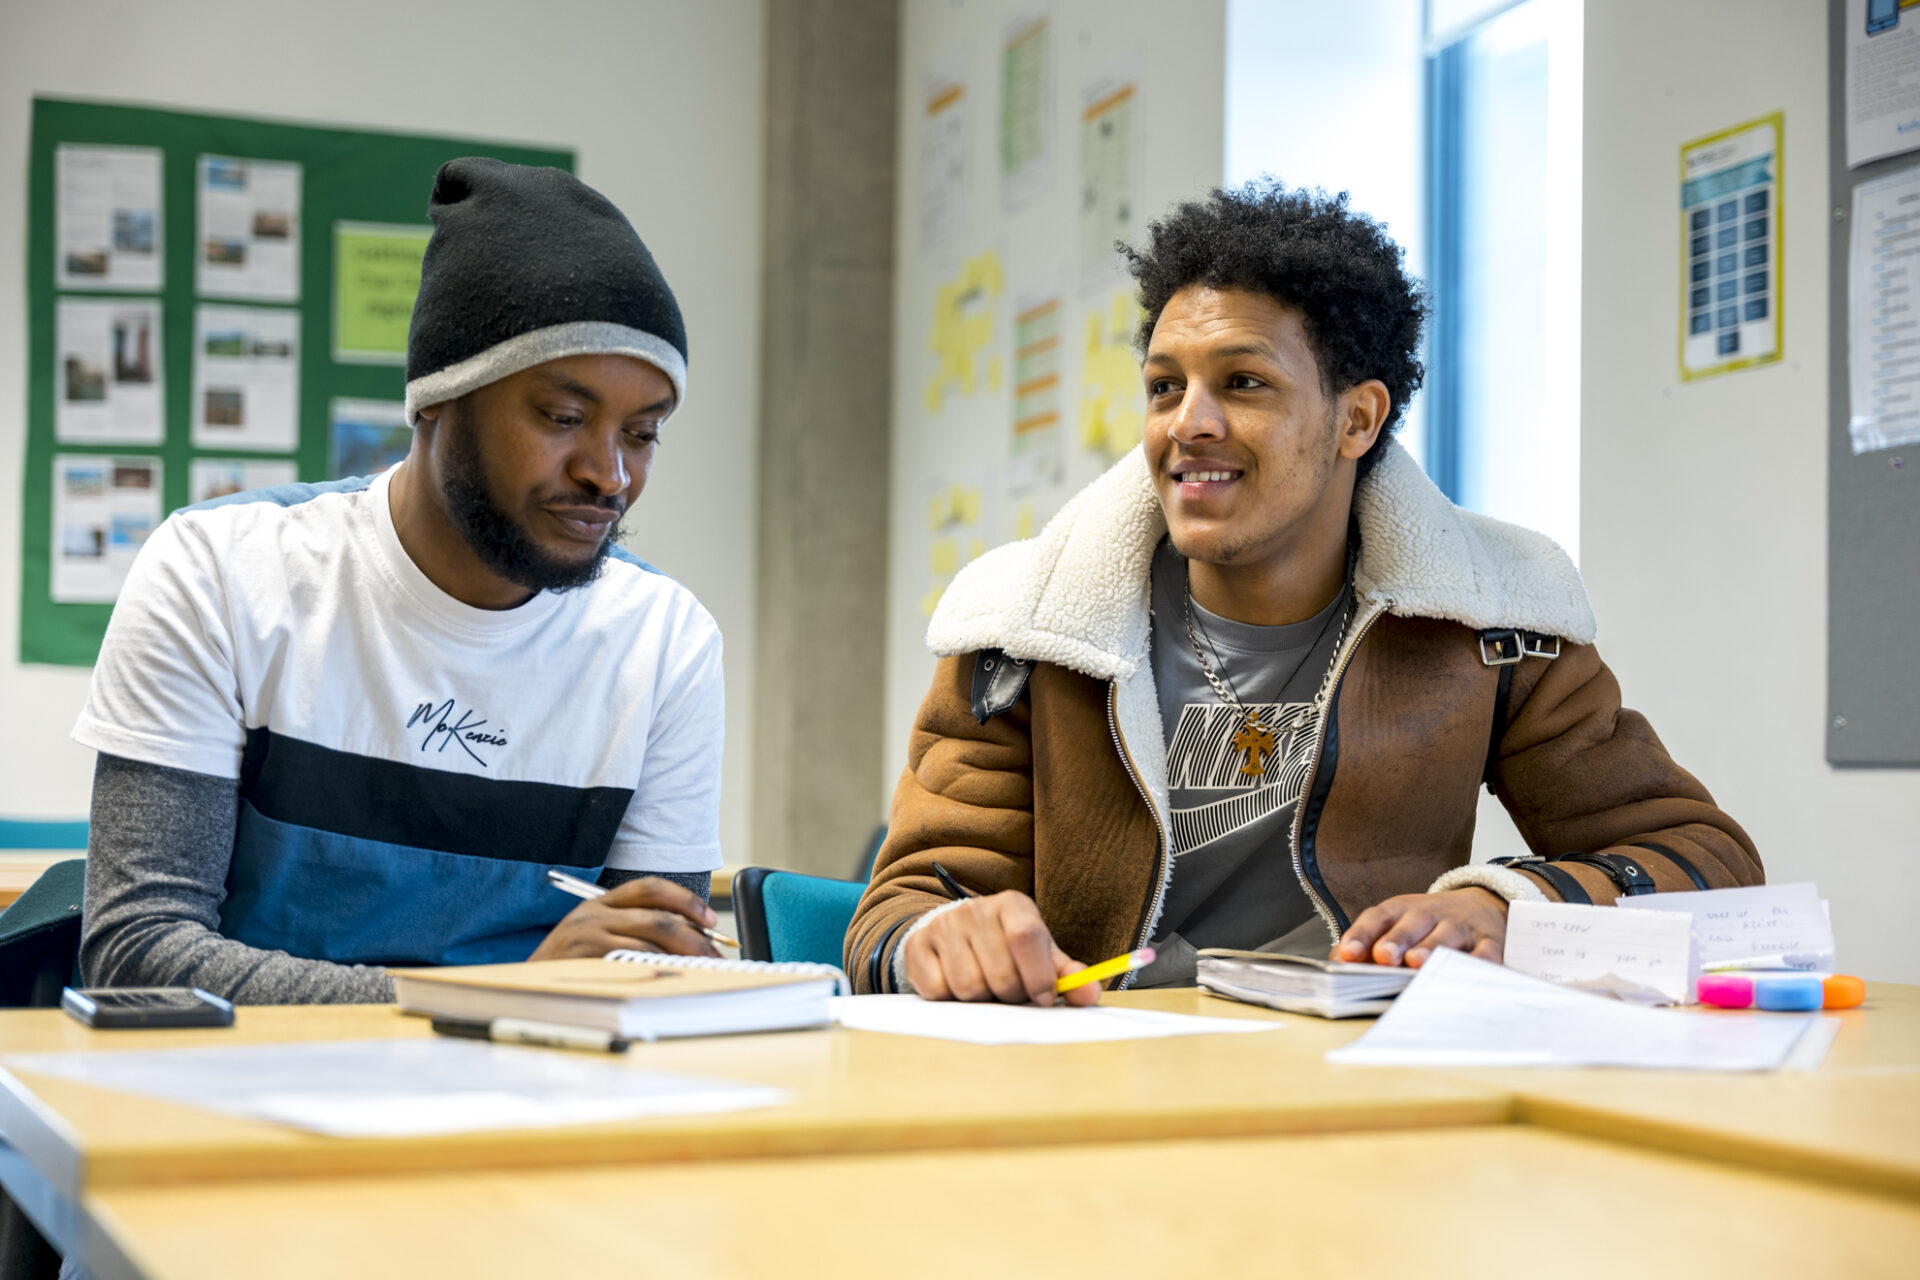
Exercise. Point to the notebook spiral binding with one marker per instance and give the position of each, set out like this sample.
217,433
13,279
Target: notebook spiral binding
841,985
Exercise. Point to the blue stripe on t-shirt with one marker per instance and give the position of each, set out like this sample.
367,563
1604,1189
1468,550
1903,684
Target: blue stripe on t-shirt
326,896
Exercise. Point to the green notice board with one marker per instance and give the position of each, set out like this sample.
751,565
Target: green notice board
182,270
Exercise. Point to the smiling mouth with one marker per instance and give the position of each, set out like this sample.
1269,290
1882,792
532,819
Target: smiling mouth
1195,480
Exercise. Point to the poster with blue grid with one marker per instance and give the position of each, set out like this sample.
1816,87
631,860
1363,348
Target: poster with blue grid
1730,249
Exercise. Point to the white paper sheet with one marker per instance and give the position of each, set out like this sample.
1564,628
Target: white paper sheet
1883,80
1025,142
401,1088
1109,120
1883,277
1763,925
246,379
944,140
249,243
218,477
1463,1012
1647,957
1025,1024
107,219
103,510
108,372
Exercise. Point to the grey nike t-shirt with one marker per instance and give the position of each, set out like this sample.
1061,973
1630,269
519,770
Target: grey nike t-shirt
1232,797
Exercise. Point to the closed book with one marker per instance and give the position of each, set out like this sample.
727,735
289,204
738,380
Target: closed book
633,995
1301,984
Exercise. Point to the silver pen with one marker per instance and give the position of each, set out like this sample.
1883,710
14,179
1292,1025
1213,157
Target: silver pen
584,889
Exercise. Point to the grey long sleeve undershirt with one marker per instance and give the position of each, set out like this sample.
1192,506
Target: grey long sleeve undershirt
158,849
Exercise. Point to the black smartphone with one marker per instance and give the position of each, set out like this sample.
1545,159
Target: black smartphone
1882,15
106,1008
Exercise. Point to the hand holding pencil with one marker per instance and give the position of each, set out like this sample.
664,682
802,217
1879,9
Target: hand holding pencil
648,914
994,947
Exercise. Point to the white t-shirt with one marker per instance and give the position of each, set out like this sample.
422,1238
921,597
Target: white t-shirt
392,742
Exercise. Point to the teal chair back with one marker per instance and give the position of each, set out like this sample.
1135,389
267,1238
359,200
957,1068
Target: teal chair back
785,916
36,833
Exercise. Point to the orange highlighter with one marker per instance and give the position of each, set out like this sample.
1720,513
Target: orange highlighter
1783,992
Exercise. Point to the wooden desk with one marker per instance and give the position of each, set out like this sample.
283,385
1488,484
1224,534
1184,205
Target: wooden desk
1493,1202
1856,1120
851,1092
19,868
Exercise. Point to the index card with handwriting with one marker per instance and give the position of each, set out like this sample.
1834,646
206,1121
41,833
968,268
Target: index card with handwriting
1759,926
1647,957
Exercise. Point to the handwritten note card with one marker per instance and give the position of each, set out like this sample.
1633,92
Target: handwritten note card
1762,926
1646,957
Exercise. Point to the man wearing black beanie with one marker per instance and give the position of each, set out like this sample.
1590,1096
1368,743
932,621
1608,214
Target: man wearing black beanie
351,725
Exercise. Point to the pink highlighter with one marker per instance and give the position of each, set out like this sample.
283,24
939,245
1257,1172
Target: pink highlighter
1783,993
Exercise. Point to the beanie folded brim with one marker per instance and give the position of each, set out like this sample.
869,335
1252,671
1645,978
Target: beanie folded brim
556,342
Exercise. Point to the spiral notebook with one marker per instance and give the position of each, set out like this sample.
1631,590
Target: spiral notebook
637,995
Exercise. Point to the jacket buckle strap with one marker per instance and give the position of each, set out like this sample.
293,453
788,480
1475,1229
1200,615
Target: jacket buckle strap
1501,648
998,682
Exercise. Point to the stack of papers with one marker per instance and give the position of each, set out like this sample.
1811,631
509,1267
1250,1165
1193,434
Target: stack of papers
1301,984
1463,1012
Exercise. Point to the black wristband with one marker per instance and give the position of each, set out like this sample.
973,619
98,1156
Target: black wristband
1626,873
1692,873
1562,883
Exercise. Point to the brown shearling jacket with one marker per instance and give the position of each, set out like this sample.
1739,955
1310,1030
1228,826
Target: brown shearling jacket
1062,795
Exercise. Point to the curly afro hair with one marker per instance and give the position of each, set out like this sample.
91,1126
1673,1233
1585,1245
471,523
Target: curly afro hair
1306,249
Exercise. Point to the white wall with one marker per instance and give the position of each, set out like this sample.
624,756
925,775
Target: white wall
661,102
1179,66
1703,505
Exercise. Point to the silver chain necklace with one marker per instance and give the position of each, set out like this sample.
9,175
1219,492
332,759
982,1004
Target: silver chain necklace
1255,740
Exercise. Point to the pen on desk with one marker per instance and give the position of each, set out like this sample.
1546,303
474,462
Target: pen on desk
547,1035
953,886
1105,969
583,889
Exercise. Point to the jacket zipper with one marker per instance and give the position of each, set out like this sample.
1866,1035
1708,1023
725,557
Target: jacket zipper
1162,864
1319,745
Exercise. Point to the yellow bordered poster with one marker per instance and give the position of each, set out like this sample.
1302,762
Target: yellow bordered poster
1730,284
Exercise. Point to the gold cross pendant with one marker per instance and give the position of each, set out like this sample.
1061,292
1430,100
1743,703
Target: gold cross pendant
1257,742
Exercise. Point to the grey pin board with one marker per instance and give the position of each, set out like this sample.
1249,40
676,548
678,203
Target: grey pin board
1873,500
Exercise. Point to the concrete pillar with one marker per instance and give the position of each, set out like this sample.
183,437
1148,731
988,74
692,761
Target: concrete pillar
825,403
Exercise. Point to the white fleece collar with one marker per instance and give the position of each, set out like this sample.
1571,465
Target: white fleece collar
1076,595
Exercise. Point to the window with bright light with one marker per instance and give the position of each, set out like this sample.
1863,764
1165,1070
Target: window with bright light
1457,124
1503,198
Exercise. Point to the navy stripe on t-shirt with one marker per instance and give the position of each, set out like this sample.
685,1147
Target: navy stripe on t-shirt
305,785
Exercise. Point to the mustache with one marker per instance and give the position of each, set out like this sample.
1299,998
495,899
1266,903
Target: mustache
606,502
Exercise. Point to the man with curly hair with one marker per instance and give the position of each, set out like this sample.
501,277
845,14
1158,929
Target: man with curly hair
1243,690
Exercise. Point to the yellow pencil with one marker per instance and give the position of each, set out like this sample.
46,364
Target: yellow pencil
1105,969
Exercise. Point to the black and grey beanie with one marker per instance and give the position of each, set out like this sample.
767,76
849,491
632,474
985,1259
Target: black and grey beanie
528,265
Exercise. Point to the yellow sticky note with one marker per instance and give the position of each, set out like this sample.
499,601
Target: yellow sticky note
1023,521
945,558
